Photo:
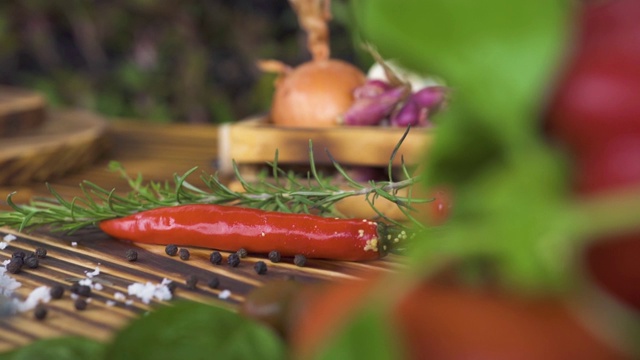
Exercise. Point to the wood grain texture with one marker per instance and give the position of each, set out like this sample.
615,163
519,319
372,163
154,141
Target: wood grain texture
21,111
255,141
156,152
67,141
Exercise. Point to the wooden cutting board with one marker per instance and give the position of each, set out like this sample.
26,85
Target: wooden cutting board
71,258
66,141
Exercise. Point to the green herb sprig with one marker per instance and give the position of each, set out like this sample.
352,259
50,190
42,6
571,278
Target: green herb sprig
275,190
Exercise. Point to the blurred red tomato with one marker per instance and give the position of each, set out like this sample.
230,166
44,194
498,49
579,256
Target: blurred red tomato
445,323
613,165
438,210
596,99
613,265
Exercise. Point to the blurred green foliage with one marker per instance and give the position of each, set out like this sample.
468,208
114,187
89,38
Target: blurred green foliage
188,61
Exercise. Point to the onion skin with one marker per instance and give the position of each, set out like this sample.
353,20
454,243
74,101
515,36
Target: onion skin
315,94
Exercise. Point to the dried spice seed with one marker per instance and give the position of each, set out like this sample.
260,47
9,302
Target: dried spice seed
215,258
80,304
31,262
131,255
191,282
82,290
18,254
40,252
171,249
184,254
14,265
300,260
56,292
260,267
40,312
172,286
242,253
214,282
233,260
274,256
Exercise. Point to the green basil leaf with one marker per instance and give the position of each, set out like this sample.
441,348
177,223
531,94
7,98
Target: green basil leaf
367,336
65,348
189,330
499,57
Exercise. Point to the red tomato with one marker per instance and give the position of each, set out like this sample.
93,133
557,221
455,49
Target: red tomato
443,323
597,98
597,101
609,166
613,264
438,210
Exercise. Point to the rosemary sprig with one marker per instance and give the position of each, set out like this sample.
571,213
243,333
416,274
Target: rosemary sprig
284,191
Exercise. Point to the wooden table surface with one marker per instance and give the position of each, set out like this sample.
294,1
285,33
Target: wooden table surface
157,151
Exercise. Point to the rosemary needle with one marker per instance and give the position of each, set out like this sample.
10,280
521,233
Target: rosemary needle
288,193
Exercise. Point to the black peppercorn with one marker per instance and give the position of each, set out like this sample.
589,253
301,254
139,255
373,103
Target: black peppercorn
299,260
215,258
172,286
31,261
56,292
171,249
40,312
191,282
214,282
184,254
82,290
14,265
131,255
18,254
80,304
40,252
260,267
242,253
274,256
233,260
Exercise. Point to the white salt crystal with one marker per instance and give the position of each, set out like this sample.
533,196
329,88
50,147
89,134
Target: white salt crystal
9,238
110,303
119,296
224,294
148,291
38,295
93,273
74,243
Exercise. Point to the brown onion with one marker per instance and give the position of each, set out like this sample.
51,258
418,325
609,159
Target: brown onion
315,94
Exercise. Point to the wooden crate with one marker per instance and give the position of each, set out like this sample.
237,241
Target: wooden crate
254,141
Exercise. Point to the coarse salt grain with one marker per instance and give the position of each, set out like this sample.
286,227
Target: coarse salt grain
128,302
6,240
7,284
98,286
86,282
224,294
74,243
93,273
38,295
119,296
9,238
110,303
148,291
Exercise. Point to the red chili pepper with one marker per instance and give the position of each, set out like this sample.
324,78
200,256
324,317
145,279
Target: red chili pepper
230,228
